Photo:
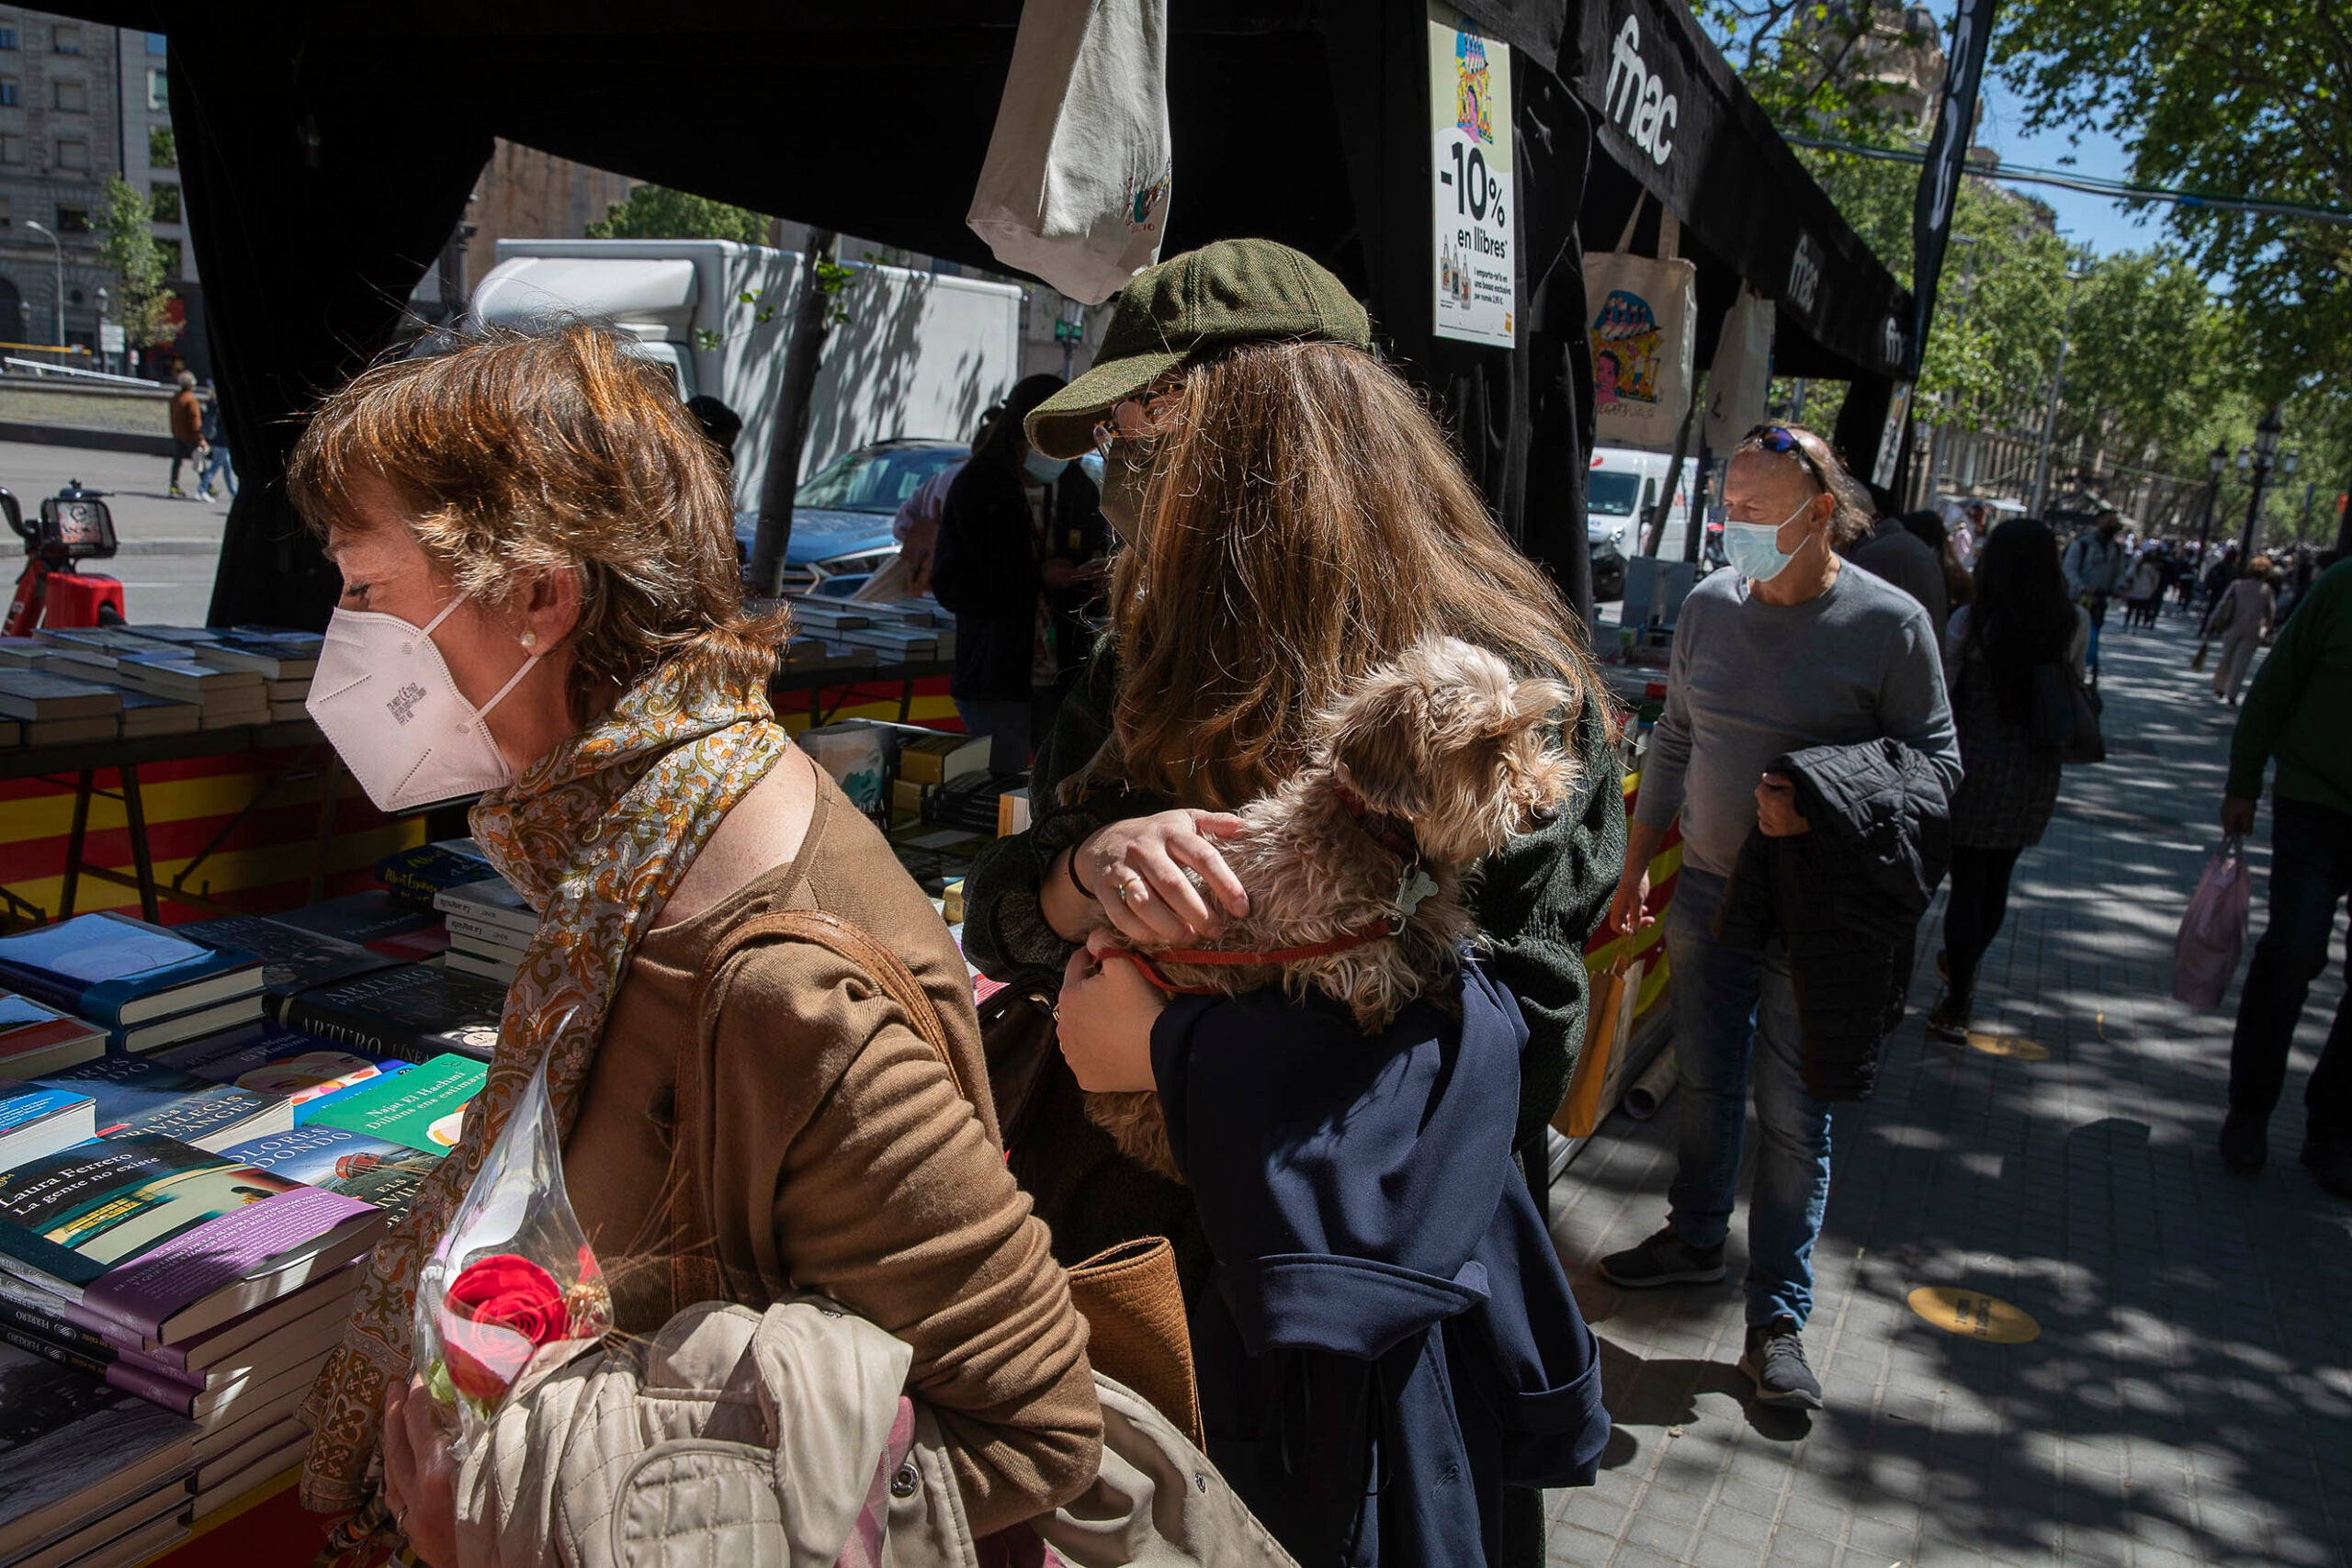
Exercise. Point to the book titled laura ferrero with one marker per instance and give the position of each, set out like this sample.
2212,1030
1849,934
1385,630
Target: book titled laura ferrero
166,1240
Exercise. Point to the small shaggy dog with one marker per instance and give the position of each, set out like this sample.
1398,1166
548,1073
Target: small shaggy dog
1355,865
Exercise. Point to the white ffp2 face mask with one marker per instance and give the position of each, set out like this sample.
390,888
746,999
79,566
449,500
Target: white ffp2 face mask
386,701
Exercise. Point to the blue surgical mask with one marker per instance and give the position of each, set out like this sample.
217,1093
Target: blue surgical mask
1754,548
1042,469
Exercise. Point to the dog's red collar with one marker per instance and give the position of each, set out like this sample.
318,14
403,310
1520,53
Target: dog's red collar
1149,963
1396,842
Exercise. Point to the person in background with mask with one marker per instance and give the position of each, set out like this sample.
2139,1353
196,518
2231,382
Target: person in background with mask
2096,566
1019,560
541,603
1790,649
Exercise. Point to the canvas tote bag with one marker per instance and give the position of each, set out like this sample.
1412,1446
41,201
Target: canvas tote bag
1741,376
1643,312
1075,186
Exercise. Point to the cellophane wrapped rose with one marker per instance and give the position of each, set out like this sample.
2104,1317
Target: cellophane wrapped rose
514,1286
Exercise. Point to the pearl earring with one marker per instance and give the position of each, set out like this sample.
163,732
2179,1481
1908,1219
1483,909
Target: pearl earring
530,639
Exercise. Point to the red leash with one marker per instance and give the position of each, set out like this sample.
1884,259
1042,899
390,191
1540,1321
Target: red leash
1149,963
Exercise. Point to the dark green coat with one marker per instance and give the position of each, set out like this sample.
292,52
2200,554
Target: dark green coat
1537,902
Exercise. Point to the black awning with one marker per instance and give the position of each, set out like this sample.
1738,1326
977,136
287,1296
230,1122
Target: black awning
1668,112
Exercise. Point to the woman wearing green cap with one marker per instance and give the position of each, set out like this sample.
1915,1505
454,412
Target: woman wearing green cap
1293,515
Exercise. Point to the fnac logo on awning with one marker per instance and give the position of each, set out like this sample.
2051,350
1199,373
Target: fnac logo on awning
1804,274
1636,98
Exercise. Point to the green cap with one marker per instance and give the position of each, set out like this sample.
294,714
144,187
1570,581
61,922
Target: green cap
1187,308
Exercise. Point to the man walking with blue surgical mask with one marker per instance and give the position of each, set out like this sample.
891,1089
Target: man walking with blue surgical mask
1788,651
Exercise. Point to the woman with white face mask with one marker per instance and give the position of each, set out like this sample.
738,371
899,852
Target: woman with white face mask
541,603
1020,563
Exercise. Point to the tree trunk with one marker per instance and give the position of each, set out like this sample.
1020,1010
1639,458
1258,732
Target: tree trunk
804,351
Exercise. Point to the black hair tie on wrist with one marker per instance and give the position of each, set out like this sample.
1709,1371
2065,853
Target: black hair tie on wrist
1083,891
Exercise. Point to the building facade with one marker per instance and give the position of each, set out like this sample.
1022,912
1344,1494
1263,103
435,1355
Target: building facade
61,140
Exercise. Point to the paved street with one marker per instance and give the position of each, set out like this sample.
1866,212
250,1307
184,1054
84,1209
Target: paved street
169,546
2190,1397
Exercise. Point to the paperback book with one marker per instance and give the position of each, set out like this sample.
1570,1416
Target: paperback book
493,905
379,920
140,1096
338,1160
423,873
269,1059
168,1241
424,1108
40,1119
72,1447
413,1011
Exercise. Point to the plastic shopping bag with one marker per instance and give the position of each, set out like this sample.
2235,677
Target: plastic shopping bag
2212,934
514,1287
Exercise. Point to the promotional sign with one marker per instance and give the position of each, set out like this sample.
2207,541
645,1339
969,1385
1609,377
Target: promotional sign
1473,204
1940,176
1890,440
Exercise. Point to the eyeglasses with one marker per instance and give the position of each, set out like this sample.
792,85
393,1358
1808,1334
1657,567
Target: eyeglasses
1781,441
1134,419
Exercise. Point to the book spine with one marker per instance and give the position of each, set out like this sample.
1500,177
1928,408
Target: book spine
124,1370
330,1023
45,989
25,1308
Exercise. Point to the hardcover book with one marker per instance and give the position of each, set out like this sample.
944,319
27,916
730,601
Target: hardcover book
114,970
37,1039
139,1096
39,1119
292,959
269,1059
173,1028
421,874
413,1011
424,1108
495,903
71,1447
166,1240
378,920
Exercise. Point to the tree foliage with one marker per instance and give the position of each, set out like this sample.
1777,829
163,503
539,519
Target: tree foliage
657,212
126,247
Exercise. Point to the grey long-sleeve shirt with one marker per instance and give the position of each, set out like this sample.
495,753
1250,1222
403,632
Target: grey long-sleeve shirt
1751,681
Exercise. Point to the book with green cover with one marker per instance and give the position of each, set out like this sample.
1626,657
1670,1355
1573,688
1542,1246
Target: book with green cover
424,1108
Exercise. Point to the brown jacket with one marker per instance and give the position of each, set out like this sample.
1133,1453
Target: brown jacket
187,416
843,1161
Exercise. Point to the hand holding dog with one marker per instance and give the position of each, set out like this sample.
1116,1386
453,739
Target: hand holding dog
1104,1022
1147,857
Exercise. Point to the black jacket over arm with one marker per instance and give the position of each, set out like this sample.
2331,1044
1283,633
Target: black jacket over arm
1846,898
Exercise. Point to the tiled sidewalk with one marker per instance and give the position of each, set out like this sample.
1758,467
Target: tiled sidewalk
2189,1398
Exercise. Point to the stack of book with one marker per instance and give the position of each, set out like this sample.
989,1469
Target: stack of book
92,655
422,874
411,1008
36,1038
208,1285
490,925
43,707
283,660
919,618
293,959
145,985
229,698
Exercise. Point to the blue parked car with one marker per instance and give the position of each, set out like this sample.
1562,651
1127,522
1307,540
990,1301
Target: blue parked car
840,518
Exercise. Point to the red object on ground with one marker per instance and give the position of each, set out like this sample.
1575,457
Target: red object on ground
61,599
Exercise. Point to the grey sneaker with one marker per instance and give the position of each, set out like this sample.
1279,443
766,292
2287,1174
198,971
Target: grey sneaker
1775,1362
1664,1259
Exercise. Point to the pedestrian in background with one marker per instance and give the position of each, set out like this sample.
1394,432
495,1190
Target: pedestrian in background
2297,712
1960,587
916,526
2242,620
1791,649
1020,559
2097,565
214,443
1891,551
2022,621
2146,586
188,426
2219,576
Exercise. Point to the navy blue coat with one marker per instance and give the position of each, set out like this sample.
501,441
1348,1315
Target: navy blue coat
1387,1339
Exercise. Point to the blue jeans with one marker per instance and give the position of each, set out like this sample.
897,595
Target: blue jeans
1736,1019
2311,873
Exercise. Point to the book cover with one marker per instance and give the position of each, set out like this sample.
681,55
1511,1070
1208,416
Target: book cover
38,694
39,1119
413,1011
69,1444
424,1108
338,1160
420,874
139,1096
292,959
376,919
270,1059
115,970
138,1229
307,1111
36,1039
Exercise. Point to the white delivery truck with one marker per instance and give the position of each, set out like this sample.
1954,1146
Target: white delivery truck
919,355
1621,493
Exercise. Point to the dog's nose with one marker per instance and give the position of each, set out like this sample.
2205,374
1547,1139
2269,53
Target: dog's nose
1544,815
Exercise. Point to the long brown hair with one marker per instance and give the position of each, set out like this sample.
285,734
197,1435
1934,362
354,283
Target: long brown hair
1305,520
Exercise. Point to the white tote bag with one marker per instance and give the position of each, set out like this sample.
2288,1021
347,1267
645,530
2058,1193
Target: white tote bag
1075,188
1643,312
1740,380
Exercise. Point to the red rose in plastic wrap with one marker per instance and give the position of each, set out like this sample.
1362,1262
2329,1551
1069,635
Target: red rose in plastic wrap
496,1312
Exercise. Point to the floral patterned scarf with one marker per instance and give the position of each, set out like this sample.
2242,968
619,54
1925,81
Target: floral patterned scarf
596,834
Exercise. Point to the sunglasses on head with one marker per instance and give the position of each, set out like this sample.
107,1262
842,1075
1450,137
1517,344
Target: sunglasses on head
1781,441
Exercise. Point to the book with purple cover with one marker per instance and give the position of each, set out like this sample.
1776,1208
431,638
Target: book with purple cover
166,1240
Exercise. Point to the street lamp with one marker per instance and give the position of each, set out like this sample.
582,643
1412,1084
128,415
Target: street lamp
2264,457
105,298
2074,274
2218,461
39,228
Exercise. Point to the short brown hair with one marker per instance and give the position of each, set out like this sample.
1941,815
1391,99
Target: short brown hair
1305,520
521,453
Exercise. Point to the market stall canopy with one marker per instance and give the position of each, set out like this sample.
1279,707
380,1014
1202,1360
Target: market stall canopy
1669,113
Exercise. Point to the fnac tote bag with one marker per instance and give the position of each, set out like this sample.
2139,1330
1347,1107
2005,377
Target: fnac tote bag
1075,188
1643,312
1739,379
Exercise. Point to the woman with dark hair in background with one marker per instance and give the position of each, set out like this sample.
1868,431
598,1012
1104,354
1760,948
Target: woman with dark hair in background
2020,620
1021,540
1927,526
